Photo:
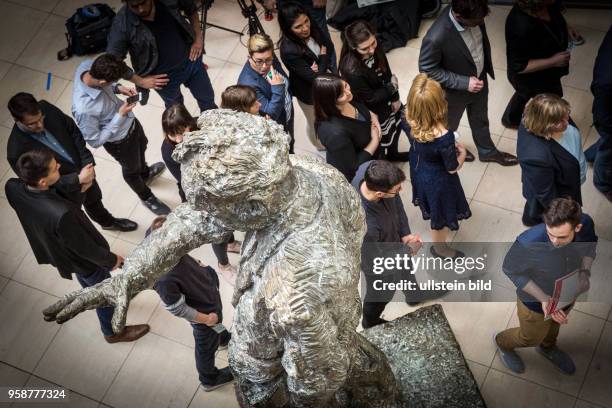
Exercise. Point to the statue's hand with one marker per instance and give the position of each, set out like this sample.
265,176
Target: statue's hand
114,291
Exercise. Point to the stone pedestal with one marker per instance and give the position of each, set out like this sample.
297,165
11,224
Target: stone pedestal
427,361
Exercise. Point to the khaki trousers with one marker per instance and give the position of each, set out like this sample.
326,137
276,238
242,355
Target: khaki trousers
533,331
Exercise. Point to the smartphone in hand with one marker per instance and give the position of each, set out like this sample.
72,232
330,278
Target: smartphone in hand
133,99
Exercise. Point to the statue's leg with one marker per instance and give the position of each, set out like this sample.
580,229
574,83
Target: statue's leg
371,382
255,356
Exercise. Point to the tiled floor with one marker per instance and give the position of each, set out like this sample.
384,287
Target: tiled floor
159,370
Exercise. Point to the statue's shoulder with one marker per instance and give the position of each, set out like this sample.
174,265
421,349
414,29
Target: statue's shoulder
326,175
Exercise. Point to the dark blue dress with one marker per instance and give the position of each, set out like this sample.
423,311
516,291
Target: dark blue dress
437,192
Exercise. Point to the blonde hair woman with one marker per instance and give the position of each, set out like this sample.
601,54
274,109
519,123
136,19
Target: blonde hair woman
435,159
549,149
264,73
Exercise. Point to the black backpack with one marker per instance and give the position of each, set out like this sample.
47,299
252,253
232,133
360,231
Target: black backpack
87,30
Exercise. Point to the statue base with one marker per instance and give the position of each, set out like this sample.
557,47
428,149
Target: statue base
426,360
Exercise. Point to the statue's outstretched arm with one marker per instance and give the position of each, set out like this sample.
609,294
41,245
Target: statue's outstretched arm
184,230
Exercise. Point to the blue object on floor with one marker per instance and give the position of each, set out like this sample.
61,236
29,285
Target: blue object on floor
48,81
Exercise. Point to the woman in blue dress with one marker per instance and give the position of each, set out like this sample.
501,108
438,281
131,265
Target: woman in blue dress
435,159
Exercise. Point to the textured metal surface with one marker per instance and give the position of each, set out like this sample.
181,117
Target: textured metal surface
296,296
427,361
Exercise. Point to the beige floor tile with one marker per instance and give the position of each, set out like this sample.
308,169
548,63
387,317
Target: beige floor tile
12,377
496,23
226,14
25,335
42,5
4,67
222,397
502,390
9,263
41,52
598,207
158,373
479,371
226,77
404,63
597,385
20,79
582,60
581,102
474,325
20,24
596,309
584,404
596,20
74,400
500,92
67,8
489,224
501,186
578,339
220,44
3,283
79,358
172,327
142,307
4,135
44,277
471,173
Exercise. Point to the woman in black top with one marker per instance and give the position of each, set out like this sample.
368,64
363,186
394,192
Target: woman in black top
347,129
306,52
538,53
176,121
365,67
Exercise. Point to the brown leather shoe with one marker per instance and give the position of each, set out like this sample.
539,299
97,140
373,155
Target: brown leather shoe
502,158
129,333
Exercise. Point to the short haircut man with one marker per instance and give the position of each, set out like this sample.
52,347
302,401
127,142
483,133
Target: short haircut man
563,245
23,103
33,166
108,67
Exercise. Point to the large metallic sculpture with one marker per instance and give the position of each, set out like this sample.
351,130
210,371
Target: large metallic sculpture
296,296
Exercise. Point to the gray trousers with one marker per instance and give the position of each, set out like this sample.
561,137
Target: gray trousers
477,112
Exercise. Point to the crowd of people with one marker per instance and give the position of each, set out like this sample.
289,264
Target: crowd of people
355,119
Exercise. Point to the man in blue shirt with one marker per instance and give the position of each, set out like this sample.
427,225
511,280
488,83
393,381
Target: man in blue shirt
107,121
563,244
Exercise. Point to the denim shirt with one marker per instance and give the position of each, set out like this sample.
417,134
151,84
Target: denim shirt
129,34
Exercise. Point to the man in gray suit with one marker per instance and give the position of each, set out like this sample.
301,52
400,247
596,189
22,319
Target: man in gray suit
456,52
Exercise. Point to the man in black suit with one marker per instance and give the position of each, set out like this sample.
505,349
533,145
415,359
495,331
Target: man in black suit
40,125
456,52
61,235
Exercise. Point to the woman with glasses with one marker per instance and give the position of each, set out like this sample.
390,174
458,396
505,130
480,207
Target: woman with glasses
347,129
549,149
306,52
264,73
435,159
364,66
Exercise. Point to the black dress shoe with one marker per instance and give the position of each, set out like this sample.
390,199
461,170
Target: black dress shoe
501,158
156,206
155,170
121,224
469,157
458,254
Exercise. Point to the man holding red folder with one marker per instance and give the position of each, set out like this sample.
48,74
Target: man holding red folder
540,256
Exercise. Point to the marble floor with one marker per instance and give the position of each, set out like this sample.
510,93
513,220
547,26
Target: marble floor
159,370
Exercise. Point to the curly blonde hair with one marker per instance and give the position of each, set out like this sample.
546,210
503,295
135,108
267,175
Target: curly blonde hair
426,108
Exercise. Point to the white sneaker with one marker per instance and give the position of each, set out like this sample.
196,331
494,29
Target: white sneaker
234,247
229,273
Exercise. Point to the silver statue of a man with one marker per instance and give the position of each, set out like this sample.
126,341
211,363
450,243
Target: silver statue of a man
297,303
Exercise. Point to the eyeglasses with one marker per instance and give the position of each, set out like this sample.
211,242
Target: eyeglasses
261,63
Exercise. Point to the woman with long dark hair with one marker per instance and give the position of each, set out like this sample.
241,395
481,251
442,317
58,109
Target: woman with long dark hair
176,121
306,53
347,129
364,66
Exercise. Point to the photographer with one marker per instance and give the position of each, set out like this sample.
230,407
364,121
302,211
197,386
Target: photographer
107,121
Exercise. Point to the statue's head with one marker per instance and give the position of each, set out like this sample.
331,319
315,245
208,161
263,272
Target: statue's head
237,168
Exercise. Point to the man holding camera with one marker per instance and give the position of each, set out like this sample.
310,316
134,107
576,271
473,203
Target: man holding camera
107,121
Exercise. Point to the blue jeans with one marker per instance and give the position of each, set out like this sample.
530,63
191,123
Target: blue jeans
601,155
206,344
193,75
105,314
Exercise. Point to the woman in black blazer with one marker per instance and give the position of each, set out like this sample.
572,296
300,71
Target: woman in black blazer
348,130
364,66
538,45
550,163
306,53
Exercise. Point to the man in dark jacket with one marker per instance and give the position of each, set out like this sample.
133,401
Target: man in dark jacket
565,243
61,235
456,52
165,49
378,183
40,125
191,291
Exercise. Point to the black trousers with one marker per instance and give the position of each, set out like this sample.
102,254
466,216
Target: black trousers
130,153
92,202
514,110
206,344
477,106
